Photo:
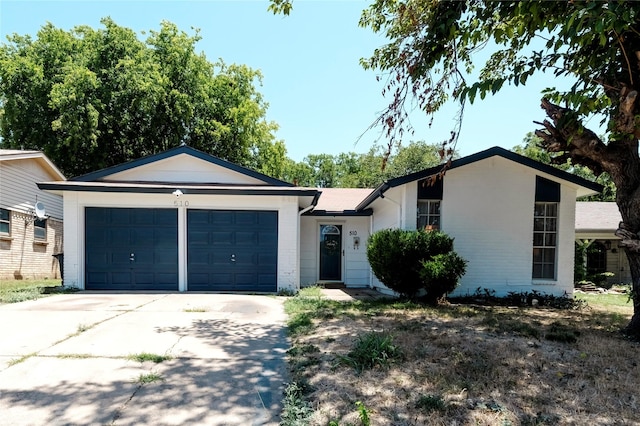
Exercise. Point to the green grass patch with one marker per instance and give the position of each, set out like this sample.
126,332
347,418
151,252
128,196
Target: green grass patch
605,300
74,356
430,403
145,356
558,332
143,379
14,291
371,350
21,359
296,409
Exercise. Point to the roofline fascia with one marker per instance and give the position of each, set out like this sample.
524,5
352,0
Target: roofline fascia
324,213
52,186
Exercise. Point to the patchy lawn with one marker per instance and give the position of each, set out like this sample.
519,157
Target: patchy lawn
459,364
13,291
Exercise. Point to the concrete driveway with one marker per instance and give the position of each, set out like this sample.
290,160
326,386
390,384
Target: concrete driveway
65,359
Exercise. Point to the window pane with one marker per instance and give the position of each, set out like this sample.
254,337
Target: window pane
548,271
434,207
552,209
538,209
537,271
423,208
537,255
549,255
434,220
40,229
40,233
538,224
4,227
422,222
550,240
4,214
538,239
551,224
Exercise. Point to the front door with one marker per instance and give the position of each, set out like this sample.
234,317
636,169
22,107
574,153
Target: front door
331,252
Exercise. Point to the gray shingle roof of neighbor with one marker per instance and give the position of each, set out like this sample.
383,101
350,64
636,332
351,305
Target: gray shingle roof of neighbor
594,216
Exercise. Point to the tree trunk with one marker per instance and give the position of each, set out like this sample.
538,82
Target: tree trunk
566,135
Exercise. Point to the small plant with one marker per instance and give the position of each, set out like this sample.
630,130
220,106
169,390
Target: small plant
296,411
74,356
83,327
145,356
560,333
363,414
143,379
431,403
196,309
372,350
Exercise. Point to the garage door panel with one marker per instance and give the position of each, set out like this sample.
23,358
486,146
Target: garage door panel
150,234
237,240
246,238
218,238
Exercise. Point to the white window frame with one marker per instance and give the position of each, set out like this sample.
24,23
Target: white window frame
429,217
7,221
545,240
36,227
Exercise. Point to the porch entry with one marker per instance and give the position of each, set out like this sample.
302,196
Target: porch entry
330,253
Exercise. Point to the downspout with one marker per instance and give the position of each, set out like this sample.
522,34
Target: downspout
370,233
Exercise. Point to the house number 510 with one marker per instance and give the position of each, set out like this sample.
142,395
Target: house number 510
181,203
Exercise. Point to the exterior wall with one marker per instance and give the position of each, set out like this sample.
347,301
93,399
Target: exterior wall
355,268
487,208
183,168
24,257
20,255
18,189
287,207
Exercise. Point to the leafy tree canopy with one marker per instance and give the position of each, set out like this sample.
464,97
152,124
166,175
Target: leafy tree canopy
92,98
352,170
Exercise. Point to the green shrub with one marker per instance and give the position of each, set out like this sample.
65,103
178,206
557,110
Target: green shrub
398,258
440,275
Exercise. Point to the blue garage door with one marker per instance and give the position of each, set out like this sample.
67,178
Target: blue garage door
131,249
230,250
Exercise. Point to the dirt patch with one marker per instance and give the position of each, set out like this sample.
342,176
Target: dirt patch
475,366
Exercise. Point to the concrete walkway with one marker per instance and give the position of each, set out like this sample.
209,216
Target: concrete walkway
65,360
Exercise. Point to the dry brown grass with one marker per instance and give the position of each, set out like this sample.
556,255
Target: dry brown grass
488,365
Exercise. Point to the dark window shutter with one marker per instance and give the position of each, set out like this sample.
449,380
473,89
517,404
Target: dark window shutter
431,191
547,190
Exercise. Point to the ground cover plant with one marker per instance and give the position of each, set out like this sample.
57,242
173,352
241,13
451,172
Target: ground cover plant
462,364
14,291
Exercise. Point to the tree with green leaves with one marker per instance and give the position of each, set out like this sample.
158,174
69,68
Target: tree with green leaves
433,47
91,98
530,147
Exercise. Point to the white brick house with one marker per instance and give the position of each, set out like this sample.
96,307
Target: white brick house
28,243
184,220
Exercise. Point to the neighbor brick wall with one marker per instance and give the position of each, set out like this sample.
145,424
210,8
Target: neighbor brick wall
22,257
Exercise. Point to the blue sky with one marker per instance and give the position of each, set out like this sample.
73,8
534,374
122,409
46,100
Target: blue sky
317,92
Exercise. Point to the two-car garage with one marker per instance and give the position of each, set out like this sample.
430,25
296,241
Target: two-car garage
138,249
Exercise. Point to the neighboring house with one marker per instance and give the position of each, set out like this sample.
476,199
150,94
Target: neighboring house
184,220
28,242
596,223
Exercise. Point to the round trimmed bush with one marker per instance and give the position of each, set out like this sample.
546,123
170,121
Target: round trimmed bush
396,257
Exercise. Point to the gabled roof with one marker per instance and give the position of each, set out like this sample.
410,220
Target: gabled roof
482,155
17,154
597,216
183,149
